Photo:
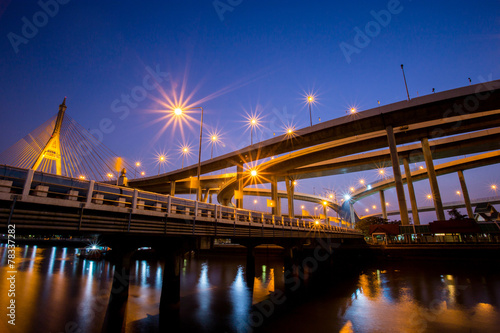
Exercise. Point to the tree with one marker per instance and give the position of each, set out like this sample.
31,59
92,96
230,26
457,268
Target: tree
455,214
363,225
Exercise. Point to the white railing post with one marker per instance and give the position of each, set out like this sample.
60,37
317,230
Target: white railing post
27,183
216,212
134,199
169,204
90,192
196,209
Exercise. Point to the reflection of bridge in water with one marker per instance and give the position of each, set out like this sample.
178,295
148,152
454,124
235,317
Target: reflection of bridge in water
148,212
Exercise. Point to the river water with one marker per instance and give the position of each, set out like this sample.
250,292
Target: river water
57,292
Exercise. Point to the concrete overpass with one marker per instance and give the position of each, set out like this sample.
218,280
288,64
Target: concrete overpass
462,110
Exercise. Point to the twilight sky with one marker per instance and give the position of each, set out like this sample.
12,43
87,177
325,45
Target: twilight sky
237,57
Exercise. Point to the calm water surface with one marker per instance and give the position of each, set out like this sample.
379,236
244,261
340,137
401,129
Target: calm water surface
56,292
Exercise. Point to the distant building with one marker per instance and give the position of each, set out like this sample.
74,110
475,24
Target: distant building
485,212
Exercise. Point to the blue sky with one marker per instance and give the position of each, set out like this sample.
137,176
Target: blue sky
236,57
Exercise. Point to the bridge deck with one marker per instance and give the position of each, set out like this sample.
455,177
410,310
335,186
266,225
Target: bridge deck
38,202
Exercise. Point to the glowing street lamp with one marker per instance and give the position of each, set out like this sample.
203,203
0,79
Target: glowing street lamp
253,173
185,151
143,173
178,112
137,164
310,100
494,188
253,123
161,159
82,177
214,140
353,110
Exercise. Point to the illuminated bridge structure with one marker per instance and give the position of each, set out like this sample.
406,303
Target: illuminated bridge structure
441,125
148,213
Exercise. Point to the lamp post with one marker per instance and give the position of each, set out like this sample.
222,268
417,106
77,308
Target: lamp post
178,112
310,99
213,139
253,123
161,159
185,151
137,164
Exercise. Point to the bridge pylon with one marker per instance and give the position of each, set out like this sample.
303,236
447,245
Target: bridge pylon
52,149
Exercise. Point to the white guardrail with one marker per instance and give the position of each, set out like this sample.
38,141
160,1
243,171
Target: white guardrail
29,183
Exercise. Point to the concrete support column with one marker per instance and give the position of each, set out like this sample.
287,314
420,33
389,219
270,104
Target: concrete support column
436,196
290,191
291,280
170,291
325,212
250,268
351,211
411,190
172,187
239,178
465,193
27,183
391,140
116,313
90,193
274,196
382,204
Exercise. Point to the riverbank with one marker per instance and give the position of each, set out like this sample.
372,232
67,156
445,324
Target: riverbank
479,251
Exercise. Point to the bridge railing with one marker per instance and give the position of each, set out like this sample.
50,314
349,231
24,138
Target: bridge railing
12,179
38,184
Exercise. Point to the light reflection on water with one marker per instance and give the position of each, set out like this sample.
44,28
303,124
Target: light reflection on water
55,288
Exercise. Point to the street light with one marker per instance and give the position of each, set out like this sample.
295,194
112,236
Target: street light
143,173
185,151
214,140
179,112
310,100
253,123
137,164
161,159
253,173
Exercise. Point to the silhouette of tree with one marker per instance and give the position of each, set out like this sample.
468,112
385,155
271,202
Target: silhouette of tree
455,214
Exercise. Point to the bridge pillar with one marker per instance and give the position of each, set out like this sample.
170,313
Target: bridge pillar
351,211
465,193
116,313
411,191
391,140
27,183
239,179
382,204
290,191
250,268
274,196
170,297
172,187
436,196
